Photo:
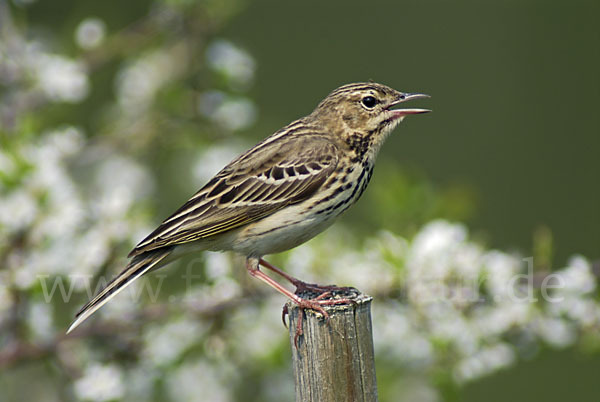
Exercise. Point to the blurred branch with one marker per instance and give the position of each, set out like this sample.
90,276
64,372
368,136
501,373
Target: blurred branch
20,351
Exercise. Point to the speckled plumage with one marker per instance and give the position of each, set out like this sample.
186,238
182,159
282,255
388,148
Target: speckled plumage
280,193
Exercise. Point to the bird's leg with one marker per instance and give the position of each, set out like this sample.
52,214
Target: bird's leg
252,265
294,281
303,287
253,269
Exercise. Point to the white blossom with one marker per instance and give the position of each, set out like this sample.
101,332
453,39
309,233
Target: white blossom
90,33
40,321
236,64
199,381
138,81
577,276
230,112
212,159
119,182
62,79
100,383
17,210
165,343
555,331
484,361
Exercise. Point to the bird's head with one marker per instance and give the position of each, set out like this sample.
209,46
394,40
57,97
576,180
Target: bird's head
365,109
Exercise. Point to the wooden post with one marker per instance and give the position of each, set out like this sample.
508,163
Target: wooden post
334,360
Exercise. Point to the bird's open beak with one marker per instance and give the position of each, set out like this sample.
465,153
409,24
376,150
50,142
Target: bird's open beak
405,112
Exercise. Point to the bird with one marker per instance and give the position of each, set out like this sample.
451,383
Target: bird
279,194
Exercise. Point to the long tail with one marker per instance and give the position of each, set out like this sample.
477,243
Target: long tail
137,267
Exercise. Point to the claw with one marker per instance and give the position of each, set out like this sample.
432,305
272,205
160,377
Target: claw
284,312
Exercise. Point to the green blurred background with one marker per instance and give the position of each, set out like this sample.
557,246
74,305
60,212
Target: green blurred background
515,89
511,148
515,92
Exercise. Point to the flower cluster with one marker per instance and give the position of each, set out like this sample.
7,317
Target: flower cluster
444,302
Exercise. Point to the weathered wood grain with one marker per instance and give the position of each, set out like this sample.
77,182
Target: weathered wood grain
334,359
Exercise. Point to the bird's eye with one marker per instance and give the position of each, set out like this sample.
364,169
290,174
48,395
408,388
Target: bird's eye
369,101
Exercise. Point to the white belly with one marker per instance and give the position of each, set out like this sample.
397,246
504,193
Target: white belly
279,232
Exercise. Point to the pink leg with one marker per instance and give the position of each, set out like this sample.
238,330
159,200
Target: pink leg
252,265
302,286
268,265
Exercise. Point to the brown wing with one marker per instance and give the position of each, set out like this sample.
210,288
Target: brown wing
268,177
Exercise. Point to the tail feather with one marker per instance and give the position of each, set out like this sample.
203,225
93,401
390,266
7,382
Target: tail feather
137,267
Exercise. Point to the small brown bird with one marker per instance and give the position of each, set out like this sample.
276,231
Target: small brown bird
280,193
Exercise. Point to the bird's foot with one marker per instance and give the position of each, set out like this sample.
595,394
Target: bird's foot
313,290
325,298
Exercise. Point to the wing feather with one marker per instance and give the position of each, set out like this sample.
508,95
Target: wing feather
265,179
